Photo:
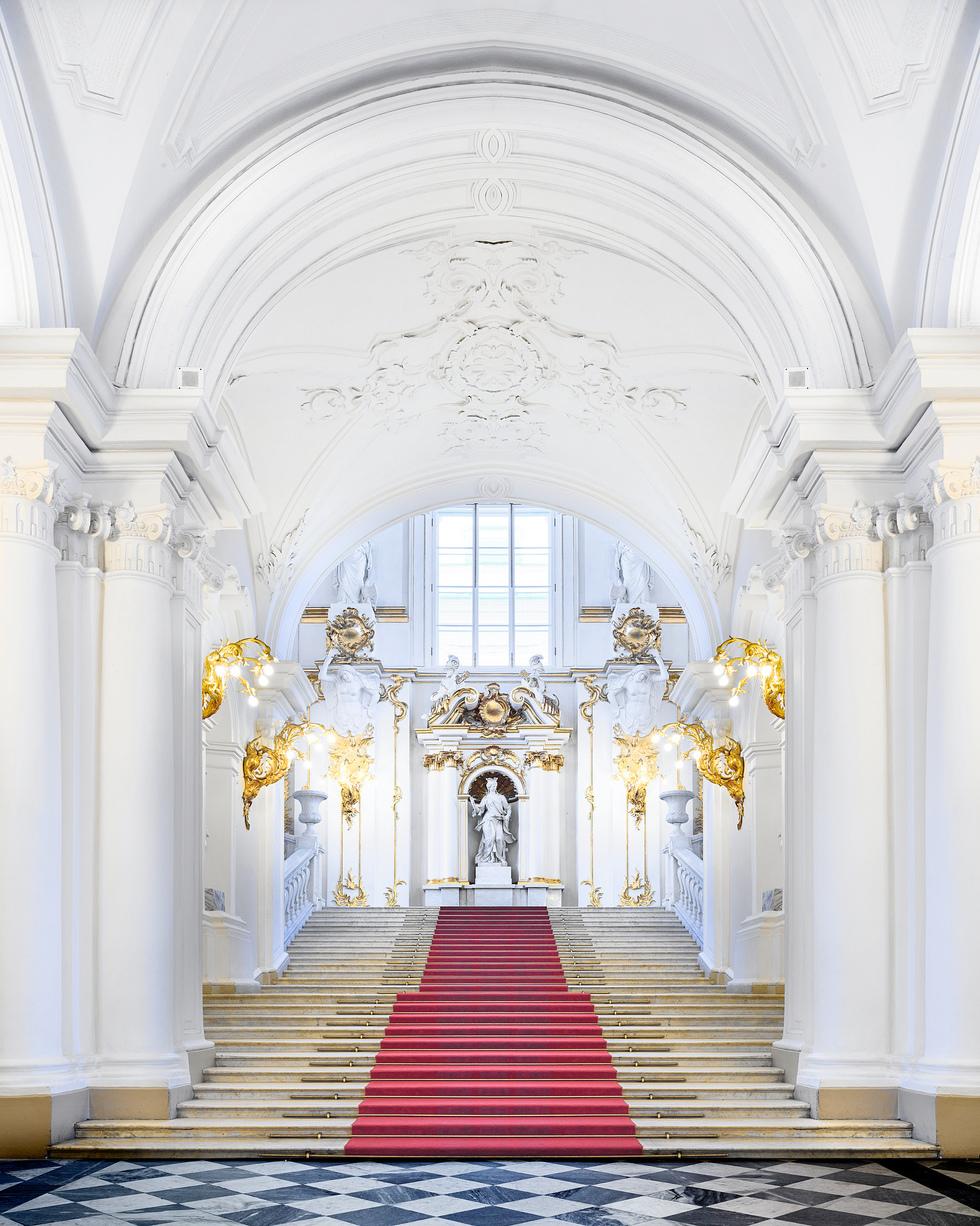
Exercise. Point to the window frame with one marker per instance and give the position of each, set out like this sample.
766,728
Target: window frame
552,586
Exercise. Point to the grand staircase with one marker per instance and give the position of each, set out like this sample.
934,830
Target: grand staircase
517,1031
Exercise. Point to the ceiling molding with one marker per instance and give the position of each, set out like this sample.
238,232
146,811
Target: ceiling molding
885,67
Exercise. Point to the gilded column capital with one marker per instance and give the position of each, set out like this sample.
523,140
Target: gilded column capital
451,758
545,761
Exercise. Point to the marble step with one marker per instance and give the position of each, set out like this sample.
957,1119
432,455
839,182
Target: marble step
272,1127
171,1147
352,1091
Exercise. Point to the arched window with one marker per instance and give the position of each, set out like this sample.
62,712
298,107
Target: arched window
493,584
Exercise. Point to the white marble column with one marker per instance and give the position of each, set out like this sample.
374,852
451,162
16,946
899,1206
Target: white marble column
942,1094
443,853
846,1068
32,1061
142,1067
541,827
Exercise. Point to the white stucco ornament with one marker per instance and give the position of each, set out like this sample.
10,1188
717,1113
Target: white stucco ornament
635,696
348,699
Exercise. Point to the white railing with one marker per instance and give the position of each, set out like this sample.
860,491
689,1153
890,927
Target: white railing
687,889
298,892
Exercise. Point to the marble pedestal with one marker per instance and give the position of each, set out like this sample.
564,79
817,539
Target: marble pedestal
494,886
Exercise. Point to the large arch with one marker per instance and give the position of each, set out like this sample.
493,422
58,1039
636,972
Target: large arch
589,163
326,541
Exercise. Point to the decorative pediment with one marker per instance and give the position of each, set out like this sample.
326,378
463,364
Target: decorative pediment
492,711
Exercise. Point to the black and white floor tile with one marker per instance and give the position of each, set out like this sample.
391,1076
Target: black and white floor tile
730,1193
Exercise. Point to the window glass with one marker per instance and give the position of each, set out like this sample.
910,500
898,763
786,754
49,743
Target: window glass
493,584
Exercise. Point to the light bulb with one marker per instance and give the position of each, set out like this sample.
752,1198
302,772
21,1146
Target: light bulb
236,670
267,670
291,755
263,680
719,670
221,669
252,700
733,701
676,738
766,669
723,681
751,670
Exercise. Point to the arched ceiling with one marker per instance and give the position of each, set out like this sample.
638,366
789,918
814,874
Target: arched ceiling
420,246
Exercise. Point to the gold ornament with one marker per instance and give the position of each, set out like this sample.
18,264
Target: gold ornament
637,634
546,761
399,710
445,757
265,764
350,635
350,765
636,766
595,894
755,660
391,894
348,892
636,893
721,763
233,660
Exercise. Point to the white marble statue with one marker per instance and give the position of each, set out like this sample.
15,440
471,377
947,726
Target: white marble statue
347,699
451,681
534,681
634,697
633,580
492,815
355,579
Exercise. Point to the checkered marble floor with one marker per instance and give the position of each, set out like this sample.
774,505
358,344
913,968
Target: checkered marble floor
732,1193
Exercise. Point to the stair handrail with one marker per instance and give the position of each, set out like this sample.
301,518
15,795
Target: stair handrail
298,893
686,888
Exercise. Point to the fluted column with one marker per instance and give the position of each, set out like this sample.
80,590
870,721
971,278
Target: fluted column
942,1094
32,1063
142,1069
851,971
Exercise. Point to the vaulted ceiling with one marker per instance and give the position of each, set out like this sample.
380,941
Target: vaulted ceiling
420,246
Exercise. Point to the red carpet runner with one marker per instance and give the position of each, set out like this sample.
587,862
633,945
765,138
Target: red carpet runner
493,1056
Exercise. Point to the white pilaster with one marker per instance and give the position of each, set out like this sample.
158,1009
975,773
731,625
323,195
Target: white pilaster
443,854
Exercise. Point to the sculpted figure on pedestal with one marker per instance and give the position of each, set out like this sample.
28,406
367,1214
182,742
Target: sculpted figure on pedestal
532,678
347,699
451,681
492,815
635,696
633,580
355,578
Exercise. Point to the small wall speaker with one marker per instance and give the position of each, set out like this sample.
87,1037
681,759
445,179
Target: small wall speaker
190,378
796,378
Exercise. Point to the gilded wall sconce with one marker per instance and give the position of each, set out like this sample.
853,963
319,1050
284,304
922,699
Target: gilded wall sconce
751,659
235,660
721,763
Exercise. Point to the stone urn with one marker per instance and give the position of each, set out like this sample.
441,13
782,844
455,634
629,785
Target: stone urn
309,806
677,800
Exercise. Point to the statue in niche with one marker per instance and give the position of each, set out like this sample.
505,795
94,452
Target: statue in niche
492,815
533,679
635,695
347,700
355,579
452,680
633,580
